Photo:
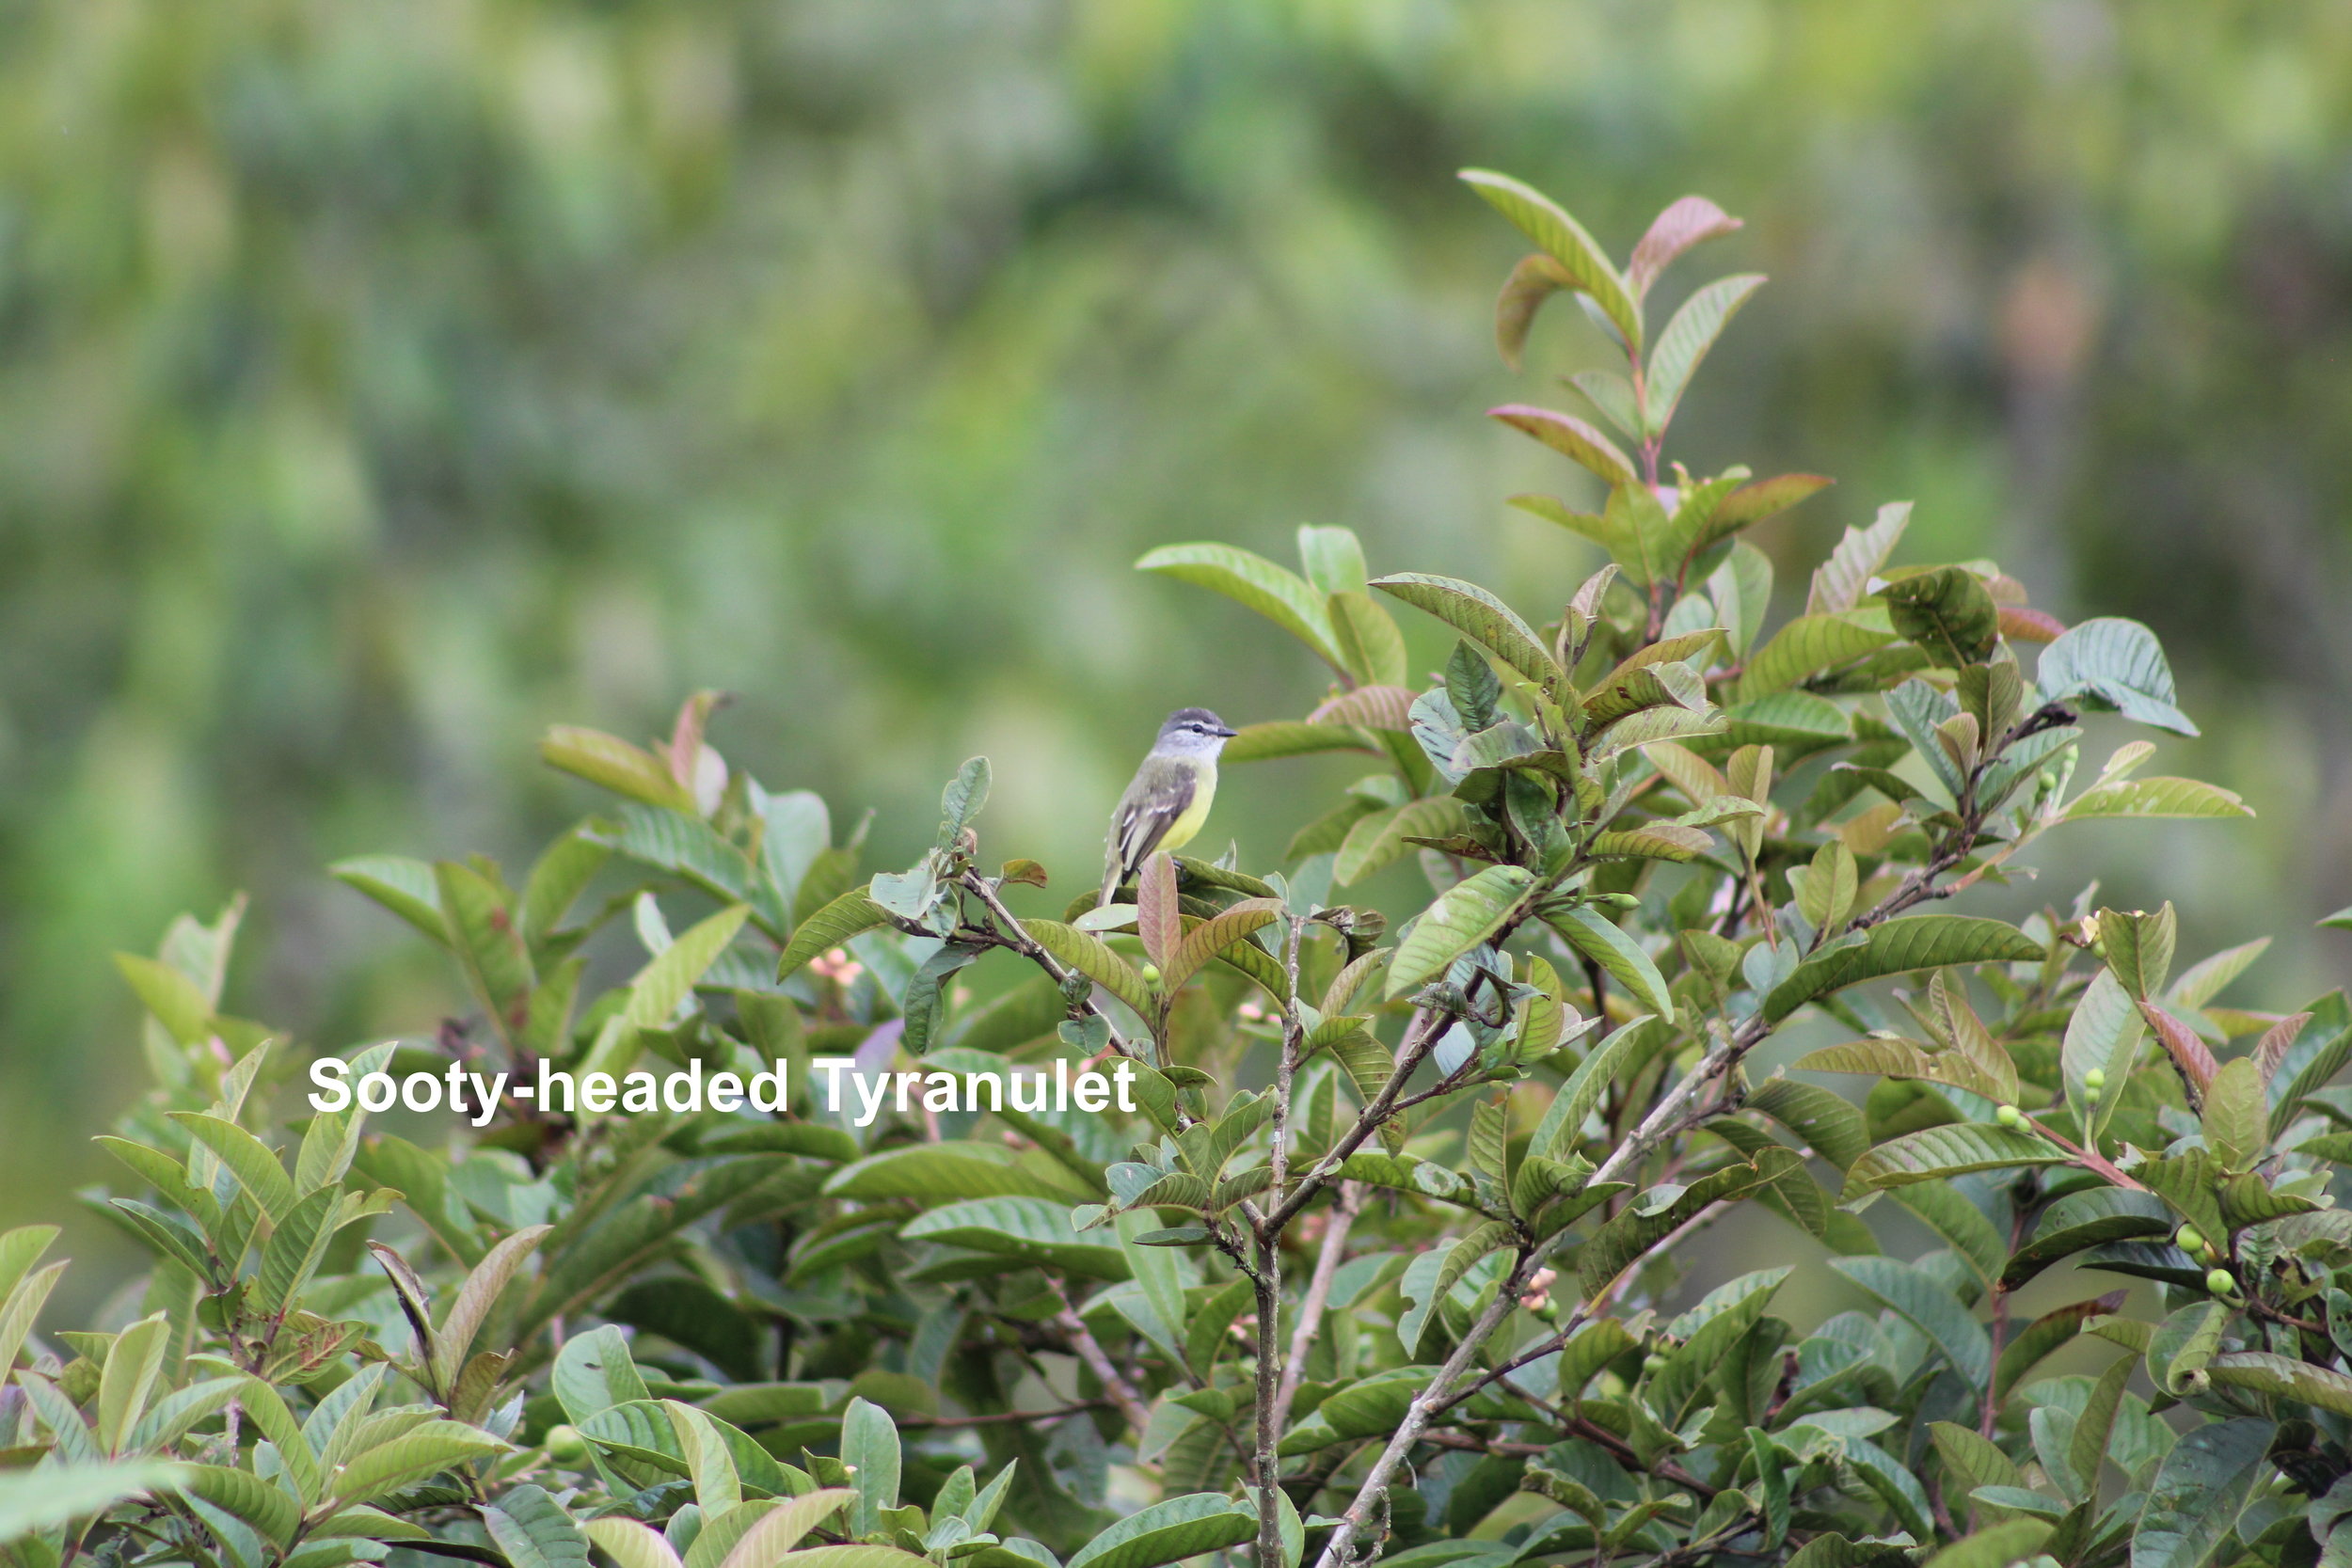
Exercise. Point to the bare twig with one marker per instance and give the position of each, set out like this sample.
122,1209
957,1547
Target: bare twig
1012,934
1090,1350
1350,1202
1339,1550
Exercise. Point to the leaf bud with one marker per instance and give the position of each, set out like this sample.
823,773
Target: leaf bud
1617,900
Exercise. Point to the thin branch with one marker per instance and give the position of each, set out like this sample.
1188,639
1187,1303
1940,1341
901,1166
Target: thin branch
1342,1219
1016,937
1090,1350
1004,1417
1338,1551
1420,1037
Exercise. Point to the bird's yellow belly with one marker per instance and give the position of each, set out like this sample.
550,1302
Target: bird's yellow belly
1180,832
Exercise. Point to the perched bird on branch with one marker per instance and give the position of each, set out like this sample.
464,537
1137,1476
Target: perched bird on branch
1169,798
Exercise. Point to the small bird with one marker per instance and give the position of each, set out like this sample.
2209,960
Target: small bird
1170,796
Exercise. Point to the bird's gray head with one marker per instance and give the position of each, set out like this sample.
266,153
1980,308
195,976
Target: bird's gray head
1193,732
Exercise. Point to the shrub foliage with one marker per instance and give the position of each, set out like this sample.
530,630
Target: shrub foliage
1384,1262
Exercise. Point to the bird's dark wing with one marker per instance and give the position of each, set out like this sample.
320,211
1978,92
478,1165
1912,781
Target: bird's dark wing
1161,791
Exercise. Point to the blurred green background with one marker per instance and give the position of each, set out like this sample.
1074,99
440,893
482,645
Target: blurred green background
381,383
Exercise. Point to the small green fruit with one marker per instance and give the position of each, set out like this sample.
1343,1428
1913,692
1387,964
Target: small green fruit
2190,1239
2009,1116
1150,974
565,1445
2217,1282
1653,1363
2099,948
2095,1080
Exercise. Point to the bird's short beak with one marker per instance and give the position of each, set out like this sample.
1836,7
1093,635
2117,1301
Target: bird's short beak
1225,732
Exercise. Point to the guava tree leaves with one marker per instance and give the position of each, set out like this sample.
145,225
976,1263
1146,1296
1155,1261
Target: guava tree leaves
2112,663
1897,946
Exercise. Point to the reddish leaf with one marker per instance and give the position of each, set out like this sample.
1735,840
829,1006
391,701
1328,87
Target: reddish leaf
2180,1043
1156,917
1677,230
2020,624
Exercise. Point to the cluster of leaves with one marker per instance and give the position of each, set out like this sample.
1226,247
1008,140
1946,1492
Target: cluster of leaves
1382,1262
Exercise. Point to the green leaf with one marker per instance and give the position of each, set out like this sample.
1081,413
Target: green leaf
1280,596
633,1544
1830,1122
1600,940
1625,1240
2095,1426
779,1529
853,1556
2117,665
950,1172
1564,1121
533,1531
663,986
128,1380
1689,335
1478,614
1947,612
2017,1541
2236,1119
1973,1459
1084,953
176,1001
1838,583
1292,737
1571,437
243,1495
1949,1151
2282,1377
869,1447
1031,1229
2103,1034
401,884
1169,1531
2087,1219
1562,238
852,914
1368,635
38,1500
1369,1407
2198,1491
1928,1307
248,1159
1378,839
594,1372
615,764
455,1336
1216,935
1974,1238
1902,1058
422,1451
1809,644
1898,947
1465,915
295,1249
2159,797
